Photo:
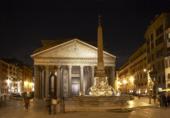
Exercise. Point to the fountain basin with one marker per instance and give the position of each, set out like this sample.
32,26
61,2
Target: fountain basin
95,103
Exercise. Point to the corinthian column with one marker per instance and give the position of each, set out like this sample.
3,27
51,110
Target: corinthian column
69,81
47,74
59,82
81,80
36,75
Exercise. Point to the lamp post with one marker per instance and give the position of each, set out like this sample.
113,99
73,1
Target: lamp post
149,89
149,83
153,79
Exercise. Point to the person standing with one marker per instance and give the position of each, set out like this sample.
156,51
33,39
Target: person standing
48,100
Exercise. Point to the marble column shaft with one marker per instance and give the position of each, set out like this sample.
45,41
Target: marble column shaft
40,82
37,77
69,81
47,81
58,82
92,76
81,80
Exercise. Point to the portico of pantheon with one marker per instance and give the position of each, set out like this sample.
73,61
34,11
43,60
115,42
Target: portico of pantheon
67,69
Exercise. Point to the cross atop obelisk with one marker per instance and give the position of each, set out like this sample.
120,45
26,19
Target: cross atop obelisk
100,72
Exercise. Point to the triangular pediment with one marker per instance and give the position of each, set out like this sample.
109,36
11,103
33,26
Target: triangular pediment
71,49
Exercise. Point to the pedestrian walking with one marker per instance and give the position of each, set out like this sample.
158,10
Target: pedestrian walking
54,105
168,99
164,99
154,99
161,99
138,96
26,102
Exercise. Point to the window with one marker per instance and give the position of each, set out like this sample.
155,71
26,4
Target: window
168,85
159,79
151,37
152,57
159,30
163,80
169,36
168,76
152,45
159,53
152,41
166,63
159,40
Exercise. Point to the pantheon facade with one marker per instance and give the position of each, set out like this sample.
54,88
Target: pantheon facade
67,69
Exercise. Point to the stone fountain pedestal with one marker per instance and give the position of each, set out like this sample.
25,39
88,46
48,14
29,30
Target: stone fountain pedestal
95,103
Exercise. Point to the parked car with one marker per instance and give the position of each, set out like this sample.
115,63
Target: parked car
28,95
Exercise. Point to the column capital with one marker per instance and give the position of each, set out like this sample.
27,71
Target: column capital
81,66
70,66
47,66
58,66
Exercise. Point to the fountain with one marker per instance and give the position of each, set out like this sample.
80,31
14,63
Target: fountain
101,95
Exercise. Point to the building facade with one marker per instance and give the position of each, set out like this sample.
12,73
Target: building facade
67,69
27,78
150,65
13,75
3,76
132,76
157,38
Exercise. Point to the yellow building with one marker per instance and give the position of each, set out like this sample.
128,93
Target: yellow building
3,77
27,78
132,76
149,66
157,38
13,75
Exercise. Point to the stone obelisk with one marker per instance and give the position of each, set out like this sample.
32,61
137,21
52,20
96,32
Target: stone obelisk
100,72
100,86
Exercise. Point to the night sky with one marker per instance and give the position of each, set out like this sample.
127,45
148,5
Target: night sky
24,23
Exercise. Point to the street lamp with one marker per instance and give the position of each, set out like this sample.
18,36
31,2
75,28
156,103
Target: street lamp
144,70
153,78
149,84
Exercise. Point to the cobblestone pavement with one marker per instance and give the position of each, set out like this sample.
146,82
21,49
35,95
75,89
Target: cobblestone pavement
142,102
15,109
